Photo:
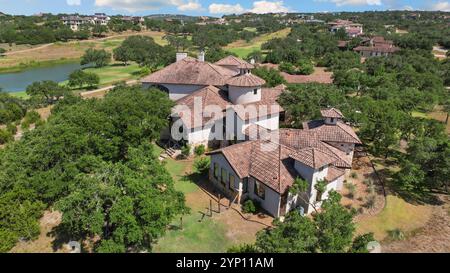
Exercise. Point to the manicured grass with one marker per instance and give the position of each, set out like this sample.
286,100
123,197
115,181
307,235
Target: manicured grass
21,94
115,73
242,48
205,236
179,169
398,214
251,29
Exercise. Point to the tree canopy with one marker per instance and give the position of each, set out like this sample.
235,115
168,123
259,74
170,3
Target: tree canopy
94,161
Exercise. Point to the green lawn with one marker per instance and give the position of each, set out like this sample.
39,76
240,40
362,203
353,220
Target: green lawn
398,214
21,94
115,73
243,48
206,236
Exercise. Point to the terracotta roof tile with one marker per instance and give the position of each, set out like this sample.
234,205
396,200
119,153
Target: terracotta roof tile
231,61
340,132
314,158
209,96
246,80
191,71
334,173
331,113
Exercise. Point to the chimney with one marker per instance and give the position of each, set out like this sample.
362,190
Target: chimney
252,61
201,56
181,56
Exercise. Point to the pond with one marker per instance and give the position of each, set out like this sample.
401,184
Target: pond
16,82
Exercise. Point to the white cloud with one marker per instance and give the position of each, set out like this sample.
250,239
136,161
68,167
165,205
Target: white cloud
225,9
142,5
407,7
73,2
353,2
192,5
258,7
268,7
442,6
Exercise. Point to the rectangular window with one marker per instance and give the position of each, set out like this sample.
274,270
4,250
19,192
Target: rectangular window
216,171
224,177
260,191
245,185
231,185
255,91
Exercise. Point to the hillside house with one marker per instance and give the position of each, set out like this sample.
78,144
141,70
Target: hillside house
100,19
352,29
264,169
75,22
256,159
377,47
225,85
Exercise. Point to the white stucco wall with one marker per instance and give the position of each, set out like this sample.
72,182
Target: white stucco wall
223,163
312,176
198,136
243,95
271,202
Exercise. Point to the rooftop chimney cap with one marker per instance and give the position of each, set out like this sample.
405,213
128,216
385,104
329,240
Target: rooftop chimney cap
201,56
181,56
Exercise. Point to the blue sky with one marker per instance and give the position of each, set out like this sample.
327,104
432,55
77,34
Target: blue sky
211,7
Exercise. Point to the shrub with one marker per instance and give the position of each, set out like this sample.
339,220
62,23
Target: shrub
288,68
5,136
11,128
202,165
351,190
370,201
186,150
304,67
354,175
396,234
32,117
249,207
200,150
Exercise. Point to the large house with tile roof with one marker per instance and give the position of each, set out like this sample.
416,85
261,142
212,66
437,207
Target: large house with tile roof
255,159
213,98
264,167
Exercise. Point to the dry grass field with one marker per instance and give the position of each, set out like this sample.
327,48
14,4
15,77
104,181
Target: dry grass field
49,54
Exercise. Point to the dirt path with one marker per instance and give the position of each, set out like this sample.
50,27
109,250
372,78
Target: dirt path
27,50
99,93
434,237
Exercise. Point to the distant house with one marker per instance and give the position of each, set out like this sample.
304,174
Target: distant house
377,46
75,22
265,169
136,20
100,19
352,29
